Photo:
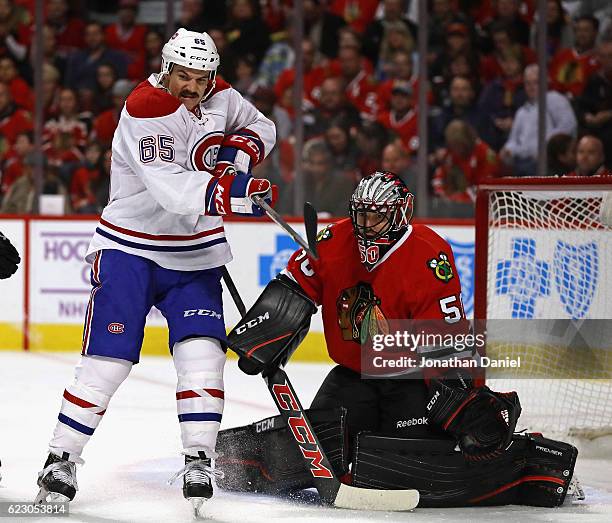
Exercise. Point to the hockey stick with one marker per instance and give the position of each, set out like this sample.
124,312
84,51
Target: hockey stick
278,219
331,490
310,222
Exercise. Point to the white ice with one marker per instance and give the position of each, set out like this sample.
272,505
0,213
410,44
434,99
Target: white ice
136,449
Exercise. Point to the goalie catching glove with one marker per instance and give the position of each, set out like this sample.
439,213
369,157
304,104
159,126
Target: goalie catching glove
233,194
483,421
273,328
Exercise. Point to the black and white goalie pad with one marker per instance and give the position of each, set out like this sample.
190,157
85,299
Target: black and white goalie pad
273,328
533,471
263,457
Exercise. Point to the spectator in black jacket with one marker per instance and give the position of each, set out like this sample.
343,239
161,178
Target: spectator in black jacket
594,107
322,27
83,64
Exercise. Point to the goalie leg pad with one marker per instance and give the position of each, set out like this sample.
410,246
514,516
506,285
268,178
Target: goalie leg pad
273,328
263,457
533,471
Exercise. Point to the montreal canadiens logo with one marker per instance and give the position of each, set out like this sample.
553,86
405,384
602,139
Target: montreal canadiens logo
116,328
205,151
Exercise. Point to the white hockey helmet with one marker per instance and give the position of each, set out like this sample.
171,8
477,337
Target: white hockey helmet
190,49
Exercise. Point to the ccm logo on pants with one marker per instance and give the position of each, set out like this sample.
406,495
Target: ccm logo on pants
201,312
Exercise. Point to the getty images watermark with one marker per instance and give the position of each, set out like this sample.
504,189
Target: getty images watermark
402,348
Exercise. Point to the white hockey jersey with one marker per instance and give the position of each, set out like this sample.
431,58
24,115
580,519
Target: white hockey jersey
162,156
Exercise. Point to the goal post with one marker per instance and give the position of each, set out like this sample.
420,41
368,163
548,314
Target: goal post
544,286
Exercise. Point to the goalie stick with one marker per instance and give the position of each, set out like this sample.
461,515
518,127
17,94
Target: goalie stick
278,219
310,223
331,490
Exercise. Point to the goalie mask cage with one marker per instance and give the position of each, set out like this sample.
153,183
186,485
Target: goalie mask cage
544,261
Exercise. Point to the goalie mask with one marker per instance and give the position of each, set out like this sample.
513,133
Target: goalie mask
193,50
380,209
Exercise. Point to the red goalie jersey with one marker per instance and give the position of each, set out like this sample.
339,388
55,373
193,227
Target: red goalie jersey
416,279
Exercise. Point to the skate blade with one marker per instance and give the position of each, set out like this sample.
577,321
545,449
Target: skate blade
197,504
575,490
44,496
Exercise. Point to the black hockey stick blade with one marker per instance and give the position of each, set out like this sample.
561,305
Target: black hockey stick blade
331,490
310,223
278,219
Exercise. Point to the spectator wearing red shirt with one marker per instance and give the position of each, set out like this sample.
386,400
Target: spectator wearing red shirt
82,196
571,68
313,78
401,69
13,163
15,32
402,118
466,161
129,37
69,30
12,120
357,13
360,87
67,121
20,90
332,103
590,158
104,125
503,45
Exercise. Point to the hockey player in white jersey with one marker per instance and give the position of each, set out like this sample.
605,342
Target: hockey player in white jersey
181,160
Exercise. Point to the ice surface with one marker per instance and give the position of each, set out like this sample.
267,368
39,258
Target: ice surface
136,449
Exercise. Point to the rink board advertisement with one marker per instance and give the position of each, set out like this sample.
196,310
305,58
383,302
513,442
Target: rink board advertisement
560,274
58,286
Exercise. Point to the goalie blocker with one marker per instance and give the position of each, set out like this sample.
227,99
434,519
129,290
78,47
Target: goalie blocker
273,328
533,470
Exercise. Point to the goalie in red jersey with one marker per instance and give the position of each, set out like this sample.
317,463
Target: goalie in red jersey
374,268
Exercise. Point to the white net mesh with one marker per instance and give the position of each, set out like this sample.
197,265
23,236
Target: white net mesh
550,258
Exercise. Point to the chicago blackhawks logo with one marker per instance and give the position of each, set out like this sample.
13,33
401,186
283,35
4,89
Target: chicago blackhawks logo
325,233
359,314
441,267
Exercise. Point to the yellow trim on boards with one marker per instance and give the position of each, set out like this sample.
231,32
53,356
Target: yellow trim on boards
61,337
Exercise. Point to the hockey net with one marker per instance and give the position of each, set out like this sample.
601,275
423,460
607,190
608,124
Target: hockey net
544,285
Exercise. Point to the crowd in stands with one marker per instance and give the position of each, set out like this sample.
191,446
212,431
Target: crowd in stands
360,90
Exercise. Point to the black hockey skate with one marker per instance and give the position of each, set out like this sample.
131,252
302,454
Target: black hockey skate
197,480
57,480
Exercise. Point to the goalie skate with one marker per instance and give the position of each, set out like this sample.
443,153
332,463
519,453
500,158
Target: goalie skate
575,491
